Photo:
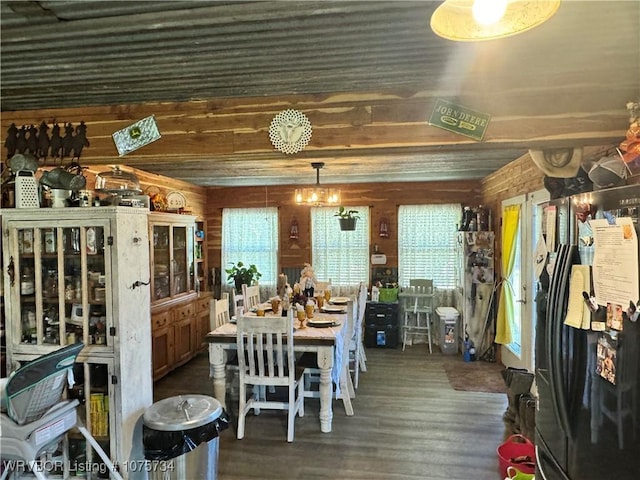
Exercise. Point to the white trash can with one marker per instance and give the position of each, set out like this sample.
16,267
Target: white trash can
448,329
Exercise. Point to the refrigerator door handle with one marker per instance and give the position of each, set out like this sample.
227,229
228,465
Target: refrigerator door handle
550,345
559,382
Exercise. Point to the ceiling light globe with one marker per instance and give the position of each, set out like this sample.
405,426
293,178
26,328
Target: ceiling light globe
488,12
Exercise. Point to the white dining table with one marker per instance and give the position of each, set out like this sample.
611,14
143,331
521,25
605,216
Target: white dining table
324,342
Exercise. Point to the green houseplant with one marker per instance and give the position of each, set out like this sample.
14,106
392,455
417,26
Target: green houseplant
347,218
240,274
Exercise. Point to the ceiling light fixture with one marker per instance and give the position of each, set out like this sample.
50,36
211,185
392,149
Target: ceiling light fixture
475,20
317,196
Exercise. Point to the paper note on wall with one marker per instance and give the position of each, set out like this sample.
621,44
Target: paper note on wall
578,314
615,261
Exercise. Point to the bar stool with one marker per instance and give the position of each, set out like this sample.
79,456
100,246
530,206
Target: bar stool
419,306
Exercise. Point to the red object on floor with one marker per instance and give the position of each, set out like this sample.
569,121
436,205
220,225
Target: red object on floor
519,452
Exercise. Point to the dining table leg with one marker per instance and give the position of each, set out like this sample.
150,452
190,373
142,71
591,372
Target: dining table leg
325,364
218,370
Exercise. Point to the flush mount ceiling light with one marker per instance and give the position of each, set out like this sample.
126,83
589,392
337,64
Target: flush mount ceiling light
317,196
475,20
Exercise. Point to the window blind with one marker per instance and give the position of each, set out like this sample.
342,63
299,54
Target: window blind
250,236
426,243
342,257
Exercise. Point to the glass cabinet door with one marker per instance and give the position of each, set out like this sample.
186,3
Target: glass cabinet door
60,285
172,259
161,262
180,265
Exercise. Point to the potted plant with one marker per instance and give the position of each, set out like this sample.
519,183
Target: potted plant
347,218
240,274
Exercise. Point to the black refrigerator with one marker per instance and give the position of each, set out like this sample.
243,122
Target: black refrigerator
588,374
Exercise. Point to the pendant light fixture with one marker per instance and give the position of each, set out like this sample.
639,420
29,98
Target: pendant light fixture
317,196
475,20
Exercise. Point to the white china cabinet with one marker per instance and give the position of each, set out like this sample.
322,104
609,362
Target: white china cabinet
82,275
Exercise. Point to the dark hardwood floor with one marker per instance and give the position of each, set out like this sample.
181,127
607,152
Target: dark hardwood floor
409,424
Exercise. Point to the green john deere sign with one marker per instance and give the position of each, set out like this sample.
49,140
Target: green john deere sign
458,119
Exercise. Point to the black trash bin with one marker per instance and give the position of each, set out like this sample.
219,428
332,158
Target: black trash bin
180,437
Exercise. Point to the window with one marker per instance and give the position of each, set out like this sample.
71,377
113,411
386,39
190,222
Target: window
250,236
426,243
342,257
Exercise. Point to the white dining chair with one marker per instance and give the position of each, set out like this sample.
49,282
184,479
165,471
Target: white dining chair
219,312
251,296
320,287
266,357
219,315
312,373
237,299
357,355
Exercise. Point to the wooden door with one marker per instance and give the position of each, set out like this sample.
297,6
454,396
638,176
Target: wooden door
185,339
203,323
162,334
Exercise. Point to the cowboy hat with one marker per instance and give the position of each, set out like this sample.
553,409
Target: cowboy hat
558,162
608,172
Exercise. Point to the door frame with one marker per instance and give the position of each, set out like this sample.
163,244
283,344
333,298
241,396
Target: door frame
531,205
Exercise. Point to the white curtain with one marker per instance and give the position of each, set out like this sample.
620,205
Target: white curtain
426,243
250,236
342,257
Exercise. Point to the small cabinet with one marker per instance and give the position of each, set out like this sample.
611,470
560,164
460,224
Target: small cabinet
178,332
381,325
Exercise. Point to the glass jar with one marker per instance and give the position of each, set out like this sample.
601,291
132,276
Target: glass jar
50,286
27,281
49,240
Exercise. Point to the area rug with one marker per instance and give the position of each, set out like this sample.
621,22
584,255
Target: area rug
478,376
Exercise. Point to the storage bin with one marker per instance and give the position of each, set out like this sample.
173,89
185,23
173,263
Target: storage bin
448,329
388,295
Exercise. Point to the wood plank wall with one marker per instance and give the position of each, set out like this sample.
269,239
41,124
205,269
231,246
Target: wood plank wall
382,198
151,183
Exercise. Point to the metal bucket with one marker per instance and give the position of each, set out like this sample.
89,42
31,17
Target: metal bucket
61,179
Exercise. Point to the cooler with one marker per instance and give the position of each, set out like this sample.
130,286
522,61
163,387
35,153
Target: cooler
448,329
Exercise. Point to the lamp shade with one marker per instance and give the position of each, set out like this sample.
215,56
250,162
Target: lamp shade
317,196
455,19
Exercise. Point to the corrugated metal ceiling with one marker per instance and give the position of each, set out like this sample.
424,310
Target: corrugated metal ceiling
58,54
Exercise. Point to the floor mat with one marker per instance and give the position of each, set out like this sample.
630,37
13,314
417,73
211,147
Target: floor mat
475,376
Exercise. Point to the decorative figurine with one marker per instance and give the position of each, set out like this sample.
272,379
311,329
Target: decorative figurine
308,280
12,140
43,141
55,142
80,140
67,140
